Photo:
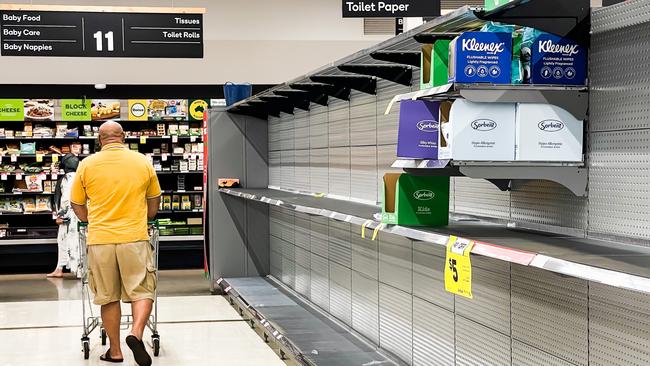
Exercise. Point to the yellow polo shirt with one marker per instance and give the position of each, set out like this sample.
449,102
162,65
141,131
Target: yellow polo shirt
115,183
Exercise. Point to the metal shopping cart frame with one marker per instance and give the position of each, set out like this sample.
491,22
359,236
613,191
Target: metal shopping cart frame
90,321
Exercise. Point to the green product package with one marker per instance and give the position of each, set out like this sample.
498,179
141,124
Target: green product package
426,71
75,110
12,110
440,56
434,61
493,4
415,200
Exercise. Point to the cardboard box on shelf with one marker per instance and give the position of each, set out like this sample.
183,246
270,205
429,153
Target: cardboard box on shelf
493,4
415,200
546,132
481,57
417,136
479,132
557,60
434,64
195,221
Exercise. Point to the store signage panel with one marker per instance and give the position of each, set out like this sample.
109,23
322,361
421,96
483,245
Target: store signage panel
11,109
100,34
390,8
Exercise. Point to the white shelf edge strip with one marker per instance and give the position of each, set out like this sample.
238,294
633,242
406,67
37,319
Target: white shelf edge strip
573,269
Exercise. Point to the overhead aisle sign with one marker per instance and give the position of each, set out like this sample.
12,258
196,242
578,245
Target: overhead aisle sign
390,8
101,33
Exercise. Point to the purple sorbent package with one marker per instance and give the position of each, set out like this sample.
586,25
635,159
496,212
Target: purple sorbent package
418,129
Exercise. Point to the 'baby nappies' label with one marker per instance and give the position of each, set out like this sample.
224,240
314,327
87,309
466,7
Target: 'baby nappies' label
483,57
556,60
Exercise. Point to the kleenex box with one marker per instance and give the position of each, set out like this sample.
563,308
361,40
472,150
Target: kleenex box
481,57
557,60
547,133
479,132
418,129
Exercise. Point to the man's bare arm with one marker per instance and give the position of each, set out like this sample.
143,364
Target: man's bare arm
81,211
152,207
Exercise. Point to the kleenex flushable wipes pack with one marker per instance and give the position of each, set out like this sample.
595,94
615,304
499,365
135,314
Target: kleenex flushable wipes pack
556,60
481,57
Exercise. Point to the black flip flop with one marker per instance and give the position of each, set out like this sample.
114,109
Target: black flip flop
140,354
107,357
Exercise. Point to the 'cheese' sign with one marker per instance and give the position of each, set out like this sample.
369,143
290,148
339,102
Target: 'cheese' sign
390,8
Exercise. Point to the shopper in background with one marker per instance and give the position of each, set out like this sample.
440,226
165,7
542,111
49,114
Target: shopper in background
68,237
116,191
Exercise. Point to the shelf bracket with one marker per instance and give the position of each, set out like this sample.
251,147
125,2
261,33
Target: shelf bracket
399,74
431,38
573,178
575,102
504,185
338,92
266,107
411,58
312,97
570,19
287,103
250,111
364,84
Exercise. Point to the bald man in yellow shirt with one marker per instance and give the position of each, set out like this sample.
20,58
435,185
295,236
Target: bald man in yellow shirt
117,191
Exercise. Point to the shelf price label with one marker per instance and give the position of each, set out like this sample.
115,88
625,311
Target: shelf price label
143,140
458,267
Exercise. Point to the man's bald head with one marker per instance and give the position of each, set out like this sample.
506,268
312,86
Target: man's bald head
111,132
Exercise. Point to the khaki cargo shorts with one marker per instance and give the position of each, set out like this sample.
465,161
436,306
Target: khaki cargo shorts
121,272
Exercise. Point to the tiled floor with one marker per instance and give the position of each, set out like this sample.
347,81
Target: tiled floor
194,330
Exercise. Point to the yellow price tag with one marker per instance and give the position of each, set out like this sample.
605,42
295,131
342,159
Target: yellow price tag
363,228
143,140
458,267
39,158
55,158
376,231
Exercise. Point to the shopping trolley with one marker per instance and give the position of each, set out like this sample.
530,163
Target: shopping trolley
90,323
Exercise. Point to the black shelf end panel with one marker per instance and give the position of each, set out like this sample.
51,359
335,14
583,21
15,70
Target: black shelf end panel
411,58
570,19
257,112
364,84
303,95
270,108
431,38
336,91
400,74
286,103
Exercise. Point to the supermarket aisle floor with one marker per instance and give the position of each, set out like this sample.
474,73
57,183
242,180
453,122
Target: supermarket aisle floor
194,330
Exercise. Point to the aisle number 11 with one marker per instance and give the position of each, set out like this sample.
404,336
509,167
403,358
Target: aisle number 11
458,267
99,41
